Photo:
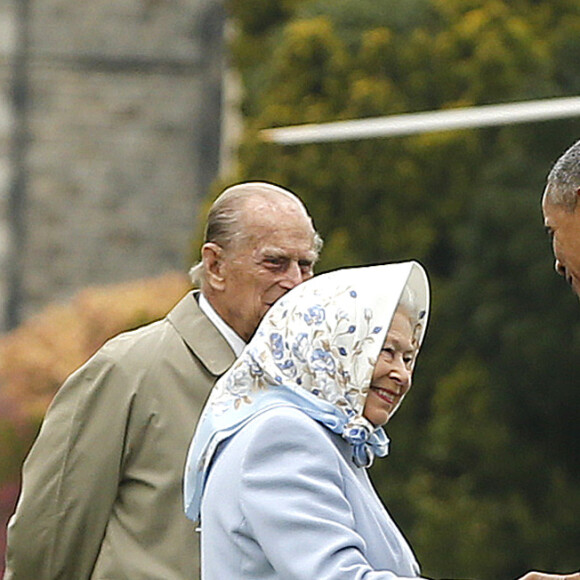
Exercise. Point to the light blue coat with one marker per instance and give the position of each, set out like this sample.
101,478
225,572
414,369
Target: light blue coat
284,500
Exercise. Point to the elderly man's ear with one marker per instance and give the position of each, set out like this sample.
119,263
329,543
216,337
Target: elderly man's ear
214,265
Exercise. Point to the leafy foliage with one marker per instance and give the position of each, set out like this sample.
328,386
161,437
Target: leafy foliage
483,474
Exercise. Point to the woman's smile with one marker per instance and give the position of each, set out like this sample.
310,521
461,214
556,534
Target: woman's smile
387,396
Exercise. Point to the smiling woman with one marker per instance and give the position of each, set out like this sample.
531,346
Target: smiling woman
279,458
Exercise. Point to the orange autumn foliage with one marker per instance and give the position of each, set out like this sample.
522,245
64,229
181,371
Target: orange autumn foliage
37,357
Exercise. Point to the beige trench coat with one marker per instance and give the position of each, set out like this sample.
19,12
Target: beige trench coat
102,485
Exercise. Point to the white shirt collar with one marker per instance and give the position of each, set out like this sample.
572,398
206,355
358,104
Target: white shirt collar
232,338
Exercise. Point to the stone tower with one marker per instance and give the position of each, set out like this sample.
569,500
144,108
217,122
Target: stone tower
110,114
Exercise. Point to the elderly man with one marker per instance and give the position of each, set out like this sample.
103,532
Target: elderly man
562,214
102,485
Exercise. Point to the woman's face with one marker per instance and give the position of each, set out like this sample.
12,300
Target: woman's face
392,373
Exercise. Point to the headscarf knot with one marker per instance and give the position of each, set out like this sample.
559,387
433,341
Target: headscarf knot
366,442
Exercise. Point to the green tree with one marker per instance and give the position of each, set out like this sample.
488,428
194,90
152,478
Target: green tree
483,474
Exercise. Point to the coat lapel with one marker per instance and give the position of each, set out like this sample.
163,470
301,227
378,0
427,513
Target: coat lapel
201,336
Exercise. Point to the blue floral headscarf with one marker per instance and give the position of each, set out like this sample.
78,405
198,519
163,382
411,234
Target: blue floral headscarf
315,349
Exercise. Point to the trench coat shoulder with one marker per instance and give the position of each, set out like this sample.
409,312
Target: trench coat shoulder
184,323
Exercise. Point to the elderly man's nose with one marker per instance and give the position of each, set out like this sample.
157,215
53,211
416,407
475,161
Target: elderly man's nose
293,275
559,267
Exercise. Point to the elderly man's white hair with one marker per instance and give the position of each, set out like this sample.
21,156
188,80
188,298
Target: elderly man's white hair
225,224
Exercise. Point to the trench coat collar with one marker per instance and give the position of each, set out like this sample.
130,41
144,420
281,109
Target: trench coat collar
200,335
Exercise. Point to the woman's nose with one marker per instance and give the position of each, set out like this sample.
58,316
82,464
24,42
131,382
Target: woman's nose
402,374
559,267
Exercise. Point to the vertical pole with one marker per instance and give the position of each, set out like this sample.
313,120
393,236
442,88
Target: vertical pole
16,206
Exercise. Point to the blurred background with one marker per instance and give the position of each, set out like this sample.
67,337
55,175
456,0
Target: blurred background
121,120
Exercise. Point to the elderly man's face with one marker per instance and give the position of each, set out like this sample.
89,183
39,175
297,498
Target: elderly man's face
564,228
277,255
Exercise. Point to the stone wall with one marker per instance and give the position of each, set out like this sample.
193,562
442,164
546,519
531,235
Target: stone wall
119,103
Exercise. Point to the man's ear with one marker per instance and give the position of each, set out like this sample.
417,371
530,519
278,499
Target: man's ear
214,265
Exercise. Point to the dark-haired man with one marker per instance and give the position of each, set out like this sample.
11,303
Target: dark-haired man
561,210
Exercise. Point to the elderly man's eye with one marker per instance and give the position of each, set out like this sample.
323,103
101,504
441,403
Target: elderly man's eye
550,233
275,261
